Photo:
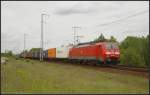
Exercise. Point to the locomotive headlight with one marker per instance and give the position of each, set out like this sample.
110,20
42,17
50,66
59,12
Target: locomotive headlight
108,53
117,53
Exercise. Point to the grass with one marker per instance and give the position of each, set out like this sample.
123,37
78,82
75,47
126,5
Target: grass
31,76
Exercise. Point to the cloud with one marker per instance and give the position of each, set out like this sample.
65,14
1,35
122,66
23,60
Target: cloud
76,8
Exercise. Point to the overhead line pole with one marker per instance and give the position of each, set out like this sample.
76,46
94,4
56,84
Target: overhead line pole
74,28
74,34
41,50
24,44
41,37
78,38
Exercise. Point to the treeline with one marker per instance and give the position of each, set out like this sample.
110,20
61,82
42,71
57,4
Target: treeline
7,53
134,51
101,38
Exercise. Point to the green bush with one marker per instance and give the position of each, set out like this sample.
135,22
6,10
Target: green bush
131,58
134,51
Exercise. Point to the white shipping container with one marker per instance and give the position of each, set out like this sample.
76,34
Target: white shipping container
62,52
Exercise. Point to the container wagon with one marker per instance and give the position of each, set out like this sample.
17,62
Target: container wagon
51,53
45,54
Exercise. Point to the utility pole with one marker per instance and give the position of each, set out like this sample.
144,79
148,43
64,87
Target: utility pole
24,44
74,28
78,38
41,50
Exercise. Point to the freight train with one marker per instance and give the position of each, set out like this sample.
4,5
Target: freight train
99,53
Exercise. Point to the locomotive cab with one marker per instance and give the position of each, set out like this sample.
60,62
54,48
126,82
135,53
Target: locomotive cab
112,52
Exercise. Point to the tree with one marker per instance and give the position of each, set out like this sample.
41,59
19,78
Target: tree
101,38
112,39
145,50
26,51
10,53
134,50
131,57
35,50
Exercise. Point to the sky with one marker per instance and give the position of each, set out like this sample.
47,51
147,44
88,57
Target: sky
111,18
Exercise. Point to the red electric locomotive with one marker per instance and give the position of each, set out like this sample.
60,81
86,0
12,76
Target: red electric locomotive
103,52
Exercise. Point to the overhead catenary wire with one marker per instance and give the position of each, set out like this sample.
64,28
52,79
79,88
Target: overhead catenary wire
127,17
116,21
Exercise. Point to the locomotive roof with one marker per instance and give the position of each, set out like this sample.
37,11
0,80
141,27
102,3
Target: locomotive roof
91,44
88,44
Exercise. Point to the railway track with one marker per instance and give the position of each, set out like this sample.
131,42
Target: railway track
142,70
123,67
120,67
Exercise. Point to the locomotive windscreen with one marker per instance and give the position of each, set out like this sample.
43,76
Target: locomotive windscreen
111,46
